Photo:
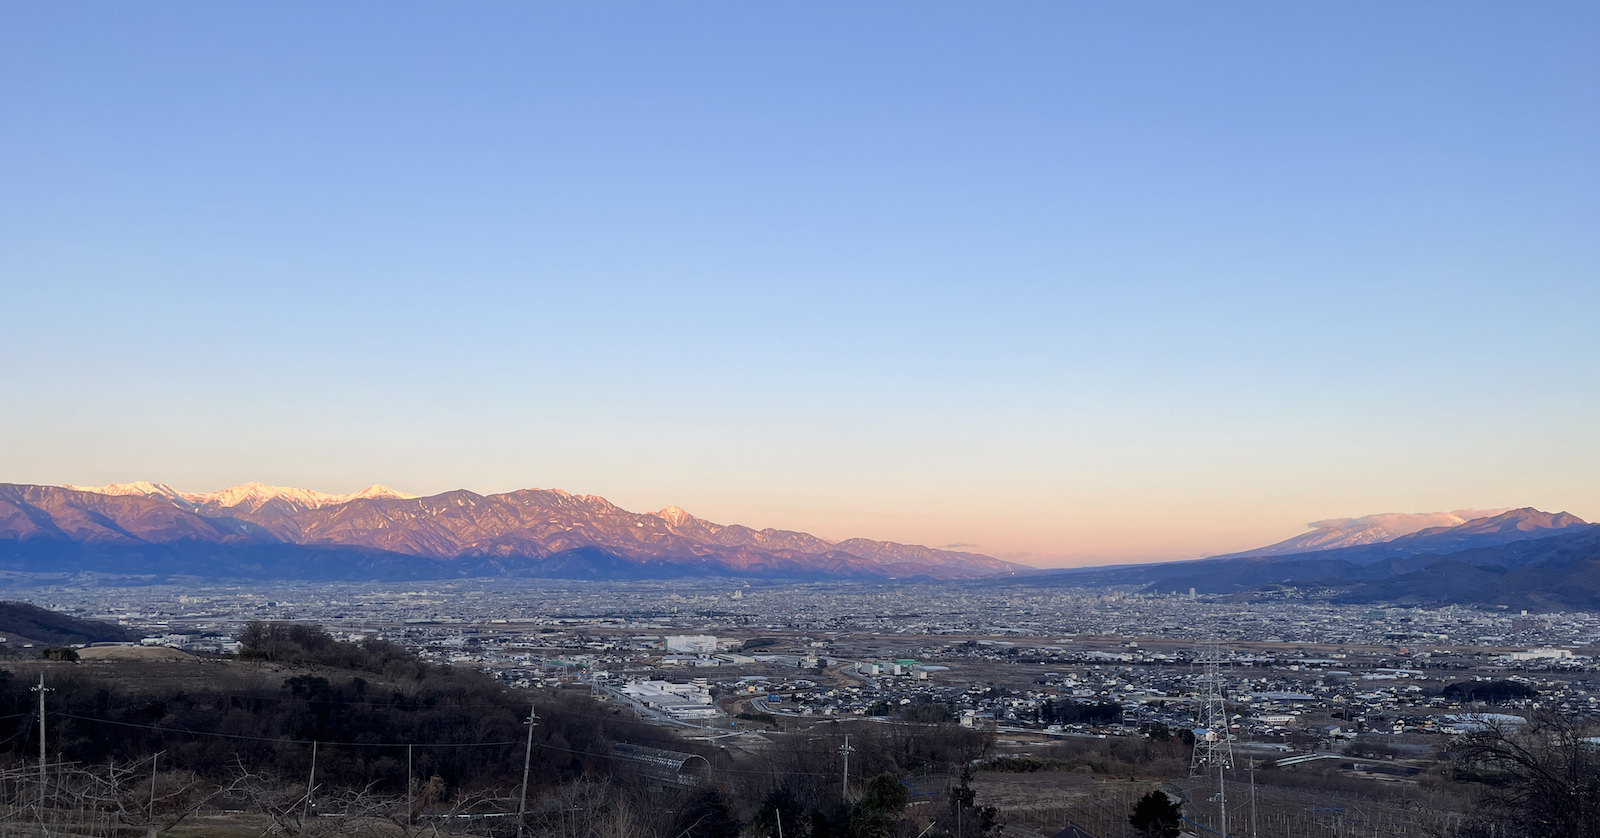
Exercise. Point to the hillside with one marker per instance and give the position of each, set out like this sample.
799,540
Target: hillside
377,713
24,623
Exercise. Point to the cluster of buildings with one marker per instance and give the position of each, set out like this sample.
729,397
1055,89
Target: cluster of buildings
684,702
989,654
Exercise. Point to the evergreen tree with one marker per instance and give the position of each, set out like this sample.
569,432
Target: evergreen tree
1156,816
965,818
878,811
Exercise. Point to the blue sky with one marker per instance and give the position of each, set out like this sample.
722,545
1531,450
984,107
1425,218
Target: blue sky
1067,282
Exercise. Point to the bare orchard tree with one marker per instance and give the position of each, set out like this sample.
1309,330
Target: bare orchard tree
329,811
1538,779
357,812
136,794
292,809
472,813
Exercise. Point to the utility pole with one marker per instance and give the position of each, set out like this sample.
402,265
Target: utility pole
527,760
1222,798
153,761
844,749
1252,797
43,780
311,785
409,782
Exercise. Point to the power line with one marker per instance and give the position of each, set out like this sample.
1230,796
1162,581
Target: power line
323,744
398,705
620,758
286,740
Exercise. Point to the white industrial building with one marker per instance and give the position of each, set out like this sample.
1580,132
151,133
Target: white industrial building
700,644
1540,654
680,701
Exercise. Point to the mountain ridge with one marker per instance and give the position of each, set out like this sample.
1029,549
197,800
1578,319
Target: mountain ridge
523,531
1520,557
1334,533
252,495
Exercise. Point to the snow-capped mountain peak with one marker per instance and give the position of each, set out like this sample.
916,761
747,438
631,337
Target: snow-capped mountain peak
1335,533
676,516
253,496
368,534
378,490
138,487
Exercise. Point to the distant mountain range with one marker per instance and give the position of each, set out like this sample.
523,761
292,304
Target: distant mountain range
1521,558
259,531
1369,529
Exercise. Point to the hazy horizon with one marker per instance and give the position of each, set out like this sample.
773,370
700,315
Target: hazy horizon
1046,562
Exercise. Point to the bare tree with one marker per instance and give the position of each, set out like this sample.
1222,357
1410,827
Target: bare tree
284,809
1538,779
136,794
335,811
587,808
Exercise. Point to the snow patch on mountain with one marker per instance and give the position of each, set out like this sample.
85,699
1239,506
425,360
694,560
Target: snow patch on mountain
139,487
675,516
1333,533
251,496
1404,523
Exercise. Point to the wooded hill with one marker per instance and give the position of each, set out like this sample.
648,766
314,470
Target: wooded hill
24,623
381,737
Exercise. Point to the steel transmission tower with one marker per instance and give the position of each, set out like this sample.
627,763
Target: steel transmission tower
1212,747
1213,750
